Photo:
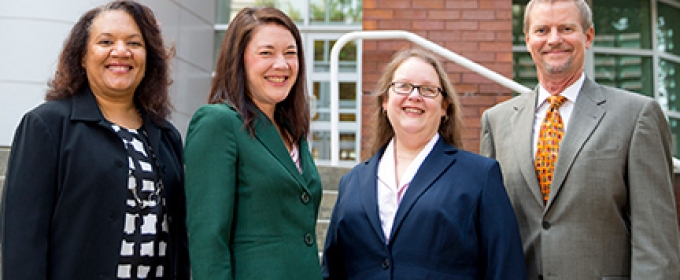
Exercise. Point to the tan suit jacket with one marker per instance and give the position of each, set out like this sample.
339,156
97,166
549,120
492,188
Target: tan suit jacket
611,212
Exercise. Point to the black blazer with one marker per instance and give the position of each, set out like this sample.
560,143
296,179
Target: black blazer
63,204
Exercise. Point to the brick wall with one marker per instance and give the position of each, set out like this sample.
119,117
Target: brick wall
480,30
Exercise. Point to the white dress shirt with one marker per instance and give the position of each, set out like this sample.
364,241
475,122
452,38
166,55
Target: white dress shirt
389,194
571,93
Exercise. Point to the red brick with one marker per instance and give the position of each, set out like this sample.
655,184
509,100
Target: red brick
462,46
504,57
407,14
461,4
480,35
466,90
478,100
479,14
479,57
472,122
495,4
392,4
394,25
428,4
504,14
444,14
370,25
369,4
495,89
428,25
462,25
496,25
469,112
444,36
378,14
495,46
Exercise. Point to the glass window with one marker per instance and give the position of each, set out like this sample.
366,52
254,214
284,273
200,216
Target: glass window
518,7
347,59
668,23
622,23
669,85
633,73
524,69
675,135
347,104
227,9
335,11
321,145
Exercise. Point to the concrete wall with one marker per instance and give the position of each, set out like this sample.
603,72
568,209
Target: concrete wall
33,33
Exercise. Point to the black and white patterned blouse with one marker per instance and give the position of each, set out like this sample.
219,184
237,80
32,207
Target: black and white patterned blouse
145,235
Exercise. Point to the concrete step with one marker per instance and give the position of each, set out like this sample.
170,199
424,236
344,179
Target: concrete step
330,178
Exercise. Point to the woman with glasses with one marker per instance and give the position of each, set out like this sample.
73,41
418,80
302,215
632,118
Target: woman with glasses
420,207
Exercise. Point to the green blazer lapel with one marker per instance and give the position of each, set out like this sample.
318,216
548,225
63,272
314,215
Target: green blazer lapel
523,125
309,172
584,120
266,133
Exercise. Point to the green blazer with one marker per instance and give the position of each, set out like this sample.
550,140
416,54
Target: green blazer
250,213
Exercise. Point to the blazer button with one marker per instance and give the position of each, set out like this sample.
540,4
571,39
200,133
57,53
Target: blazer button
546,225
309,239
386,264
304,197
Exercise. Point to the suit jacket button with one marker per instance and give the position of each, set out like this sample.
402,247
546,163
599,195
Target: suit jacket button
309,239
304,197
546,225
386,264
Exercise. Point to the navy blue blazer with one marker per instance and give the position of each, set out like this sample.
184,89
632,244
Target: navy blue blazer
455,221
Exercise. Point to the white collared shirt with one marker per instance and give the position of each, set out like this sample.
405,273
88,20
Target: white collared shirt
571,93
389,194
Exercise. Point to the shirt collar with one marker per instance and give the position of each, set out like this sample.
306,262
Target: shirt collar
571,92
387,168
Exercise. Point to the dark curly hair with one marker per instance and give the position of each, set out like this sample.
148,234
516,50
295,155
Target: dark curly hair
229,83
151,94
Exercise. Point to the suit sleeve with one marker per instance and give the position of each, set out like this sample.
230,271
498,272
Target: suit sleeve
210,156
501,254
486,147
28,200
655,242
333,261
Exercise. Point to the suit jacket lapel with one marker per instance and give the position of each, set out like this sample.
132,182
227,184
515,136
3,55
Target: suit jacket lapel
369,196
585,118
436,163
266,133
523,125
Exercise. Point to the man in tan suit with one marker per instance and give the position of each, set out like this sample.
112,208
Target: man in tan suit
608,210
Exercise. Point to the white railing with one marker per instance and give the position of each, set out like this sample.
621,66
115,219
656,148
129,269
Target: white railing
398,34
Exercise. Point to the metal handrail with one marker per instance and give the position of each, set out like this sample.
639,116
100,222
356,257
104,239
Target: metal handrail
399,34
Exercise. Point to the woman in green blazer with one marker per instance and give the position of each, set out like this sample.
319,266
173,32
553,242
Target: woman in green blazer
253,191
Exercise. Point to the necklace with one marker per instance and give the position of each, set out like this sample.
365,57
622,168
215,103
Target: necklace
154,197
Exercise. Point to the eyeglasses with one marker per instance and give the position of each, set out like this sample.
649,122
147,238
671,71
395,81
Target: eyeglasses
424,90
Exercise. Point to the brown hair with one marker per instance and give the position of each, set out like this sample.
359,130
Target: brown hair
584,10
451,124
151,94
229,83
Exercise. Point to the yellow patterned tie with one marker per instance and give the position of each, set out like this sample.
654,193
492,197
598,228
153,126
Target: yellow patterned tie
548,145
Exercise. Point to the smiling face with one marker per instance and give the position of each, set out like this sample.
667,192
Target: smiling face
413,115
557,41
115,59
271,62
